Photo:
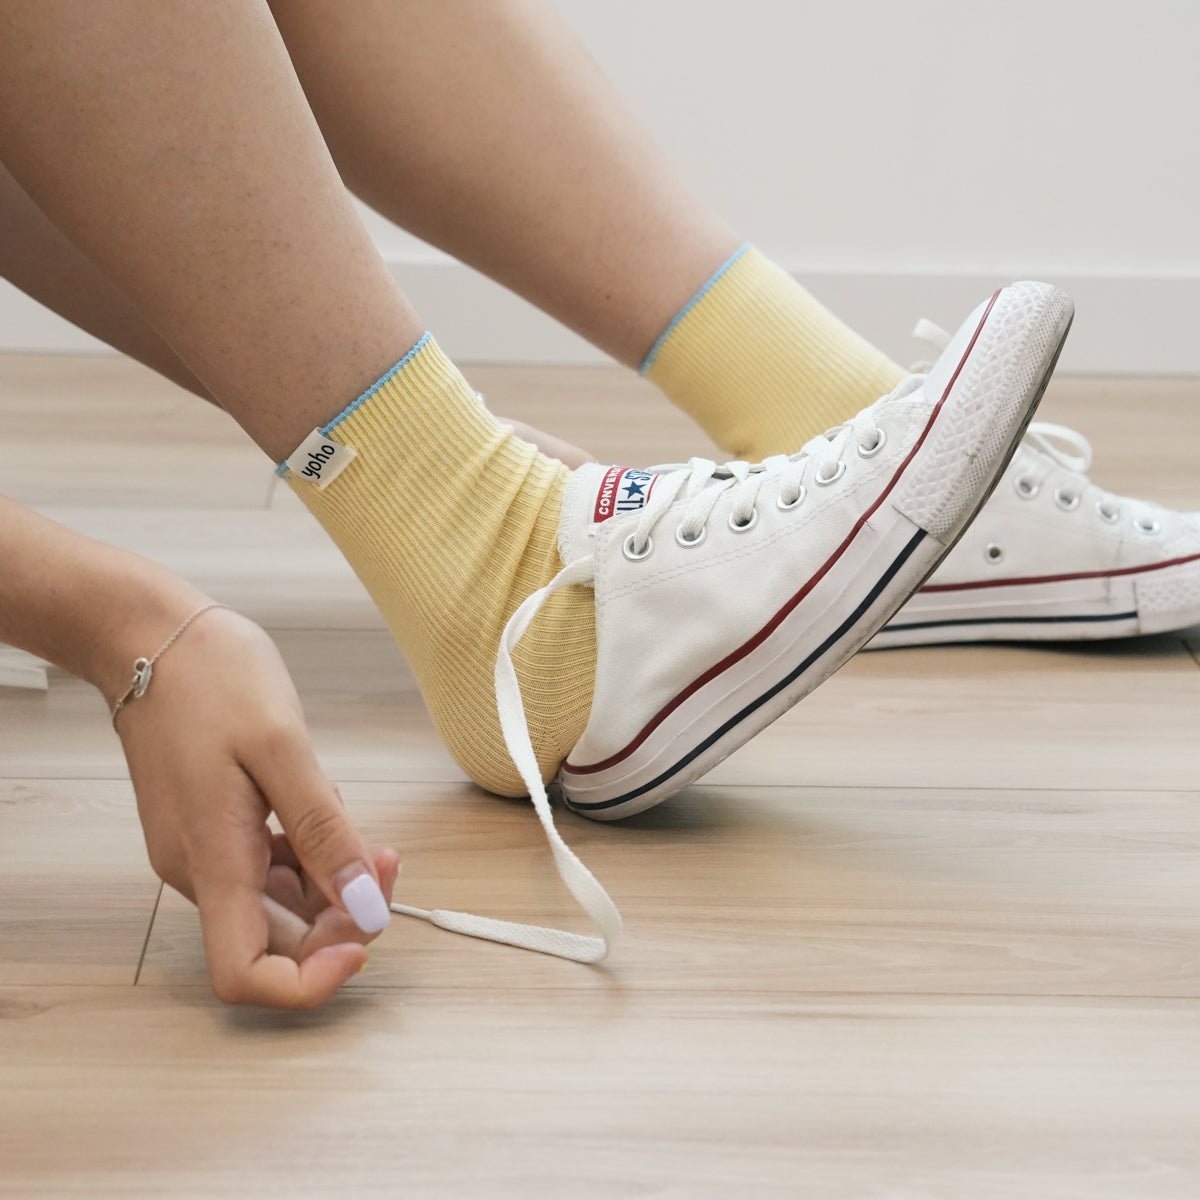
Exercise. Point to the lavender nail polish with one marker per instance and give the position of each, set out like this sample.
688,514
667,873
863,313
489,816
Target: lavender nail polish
365,904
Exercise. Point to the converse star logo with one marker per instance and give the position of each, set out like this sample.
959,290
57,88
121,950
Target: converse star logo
622,490
320,459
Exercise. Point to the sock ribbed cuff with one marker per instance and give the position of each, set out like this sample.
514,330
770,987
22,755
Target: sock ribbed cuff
711,282
761,365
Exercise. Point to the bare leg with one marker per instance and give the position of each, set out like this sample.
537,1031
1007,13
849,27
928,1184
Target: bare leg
38,258
487,130
274,296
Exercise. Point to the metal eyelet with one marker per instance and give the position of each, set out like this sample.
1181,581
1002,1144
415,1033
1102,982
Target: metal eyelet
1067,501
631,552
688,542
1112,516
993,553
820,479
871,451
742,528
1026,488
784,505
1144,526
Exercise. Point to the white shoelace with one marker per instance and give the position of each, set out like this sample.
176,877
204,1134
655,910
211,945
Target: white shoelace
1042,435
702,482
1039,434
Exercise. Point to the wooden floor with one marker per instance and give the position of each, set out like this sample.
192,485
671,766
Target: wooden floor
934,934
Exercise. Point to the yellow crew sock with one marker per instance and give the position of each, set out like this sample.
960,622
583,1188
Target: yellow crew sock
761,365
451,521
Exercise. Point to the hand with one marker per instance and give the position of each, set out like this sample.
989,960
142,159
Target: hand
215,745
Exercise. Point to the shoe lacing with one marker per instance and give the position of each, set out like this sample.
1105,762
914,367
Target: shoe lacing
702,483
1146,517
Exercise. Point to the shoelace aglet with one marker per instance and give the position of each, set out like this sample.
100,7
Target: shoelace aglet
557,942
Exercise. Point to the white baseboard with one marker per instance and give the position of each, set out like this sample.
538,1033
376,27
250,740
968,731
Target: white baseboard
1124,326
28,328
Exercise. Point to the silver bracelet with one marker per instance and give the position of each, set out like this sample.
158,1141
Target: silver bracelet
143,669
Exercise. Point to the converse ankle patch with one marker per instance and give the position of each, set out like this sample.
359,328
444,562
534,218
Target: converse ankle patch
622,490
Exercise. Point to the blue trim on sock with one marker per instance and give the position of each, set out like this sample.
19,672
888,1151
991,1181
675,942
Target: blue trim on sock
282,469
648,361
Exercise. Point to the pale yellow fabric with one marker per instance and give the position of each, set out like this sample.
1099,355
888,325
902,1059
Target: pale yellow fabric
451,521
762,366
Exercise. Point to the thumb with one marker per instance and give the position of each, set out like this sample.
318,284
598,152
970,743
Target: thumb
329,848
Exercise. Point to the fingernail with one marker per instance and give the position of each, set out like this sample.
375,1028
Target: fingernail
363,899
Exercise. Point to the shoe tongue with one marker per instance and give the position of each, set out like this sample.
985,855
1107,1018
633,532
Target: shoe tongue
596,494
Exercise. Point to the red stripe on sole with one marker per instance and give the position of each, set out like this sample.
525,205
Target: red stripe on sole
1031,579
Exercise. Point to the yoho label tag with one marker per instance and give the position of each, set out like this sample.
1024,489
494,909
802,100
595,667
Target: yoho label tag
320,459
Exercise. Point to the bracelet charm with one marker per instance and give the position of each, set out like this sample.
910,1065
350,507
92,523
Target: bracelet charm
143,668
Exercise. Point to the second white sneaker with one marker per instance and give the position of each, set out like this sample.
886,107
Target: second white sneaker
1053,557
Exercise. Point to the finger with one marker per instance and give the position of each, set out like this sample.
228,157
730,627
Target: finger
287,882
332,927
387,866
282,853
237,935
228,869
296,892
287,887
286,930
297,939
320,832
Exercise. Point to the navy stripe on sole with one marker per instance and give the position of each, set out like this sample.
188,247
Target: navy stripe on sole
1063,620
754,705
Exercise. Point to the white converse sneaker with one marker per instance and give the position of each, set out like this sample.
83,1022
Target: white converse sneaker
725,594
1053,557
733,592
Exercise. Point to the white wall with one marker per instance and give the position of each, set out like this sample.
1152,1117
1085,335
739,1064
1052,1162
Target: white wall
928,135
902,157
